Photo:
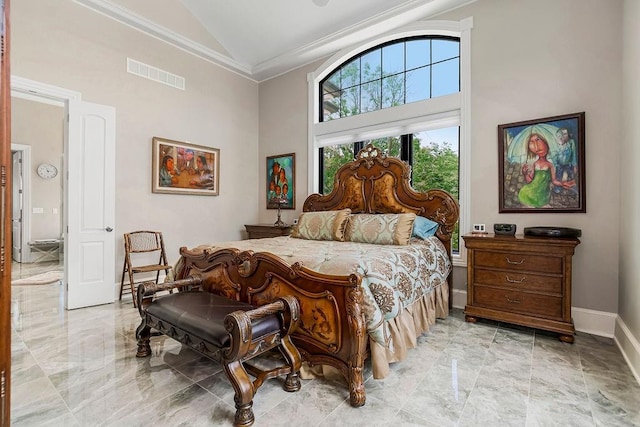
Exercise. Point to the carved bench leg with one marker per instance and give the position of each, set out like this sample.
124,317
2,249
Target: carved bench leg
243,398
292,355
143,334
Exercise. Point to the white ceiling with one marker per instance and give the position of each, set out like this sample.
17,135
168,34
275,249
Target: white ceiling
261,39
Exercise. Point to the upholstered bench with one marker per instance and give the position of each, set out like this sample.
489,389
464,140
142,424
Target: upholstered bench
227,331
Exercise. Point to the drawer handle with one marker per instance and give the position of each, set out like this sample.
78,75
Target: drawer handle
510,280
512,301
514,262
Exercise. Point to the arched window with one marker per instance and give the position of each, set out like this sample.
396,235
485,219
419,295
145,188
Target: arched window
407,93
396,73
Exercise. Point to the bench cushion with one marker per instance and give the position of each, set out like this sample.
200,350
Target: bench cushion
202,314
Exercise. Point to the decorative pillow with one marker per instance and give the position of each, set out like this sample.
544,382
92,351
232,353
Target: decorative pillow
424,227
380,229
327,225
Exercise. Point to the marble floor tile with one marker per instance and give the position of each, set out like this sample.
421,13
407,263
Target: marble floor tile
78,368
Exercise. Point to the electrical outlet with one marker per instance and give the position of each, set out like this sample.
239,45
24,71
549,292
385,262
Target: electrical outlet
479,228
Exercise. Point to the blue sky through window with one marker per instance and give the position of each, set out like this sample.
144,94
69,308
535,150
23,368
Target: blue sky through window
411,70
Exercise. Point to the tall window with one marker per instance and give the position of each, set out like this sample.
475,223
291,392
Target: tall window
405,95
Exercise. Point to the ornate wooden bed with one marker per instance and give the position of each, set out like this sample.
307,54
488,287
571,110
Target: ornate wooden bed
332,326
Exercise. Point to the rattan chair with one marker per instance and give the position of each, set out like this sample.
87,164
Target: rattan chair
138,251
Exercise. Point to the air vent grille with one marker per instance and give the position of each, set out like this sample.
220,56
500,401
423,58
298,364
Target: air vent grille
157,75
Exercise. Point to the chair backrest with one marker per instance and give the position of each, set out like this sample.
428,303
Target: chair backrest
143,241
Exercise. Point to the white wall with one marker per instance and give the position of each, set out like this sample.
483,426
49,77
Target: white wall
530,59
61,43
628,327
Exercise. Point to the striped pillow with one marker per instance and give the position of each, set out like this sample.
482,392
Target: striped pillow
327,225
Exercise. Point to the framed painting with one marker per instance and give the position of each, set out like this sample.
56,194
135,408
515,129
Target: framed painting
281,177
183,168
541,165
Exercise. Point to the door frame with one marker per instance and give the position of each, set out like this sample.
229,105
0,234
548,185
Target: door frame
32,90
26,200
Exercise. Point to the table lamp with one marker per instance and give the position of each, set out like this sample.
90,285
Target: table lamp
280,201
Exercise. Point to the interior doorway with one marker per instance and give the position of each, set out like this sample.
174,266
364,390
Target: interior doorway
37,214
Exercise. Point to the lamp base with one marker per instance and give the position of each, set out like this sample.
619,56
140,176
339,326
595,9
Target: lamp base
279,222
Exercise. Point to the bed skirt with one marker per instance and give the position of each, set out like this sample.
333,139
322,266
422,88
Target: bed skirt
405,329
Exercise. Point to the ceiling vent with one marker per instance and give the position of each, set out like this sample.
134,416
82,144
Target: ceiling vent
152,73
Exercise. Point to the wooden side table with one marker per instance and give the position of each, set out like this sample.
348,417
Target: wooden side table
260,231
521,279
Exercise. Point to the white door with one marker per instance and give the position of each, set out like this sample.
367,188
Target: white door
16,216
89,192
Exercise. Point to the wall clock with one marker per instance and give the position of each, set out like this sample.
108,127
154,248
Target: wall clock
47,170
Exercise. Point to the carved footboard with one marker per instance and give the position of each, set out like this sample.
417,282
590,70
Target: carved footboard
331,328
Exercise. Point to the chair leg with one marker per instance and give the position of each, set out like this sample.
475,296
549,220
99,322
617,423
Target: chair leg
243,398
124,270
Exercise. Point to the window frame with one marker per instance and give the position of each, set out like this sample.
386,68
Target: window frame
443,111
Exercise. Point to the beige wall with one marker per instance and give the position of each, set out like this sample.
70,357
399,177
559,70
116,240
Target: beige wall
530,59
41,127
629,310
540,58
283,129
61,43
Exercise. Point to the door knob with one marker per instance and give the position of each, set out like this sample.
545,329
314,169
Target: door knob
109,229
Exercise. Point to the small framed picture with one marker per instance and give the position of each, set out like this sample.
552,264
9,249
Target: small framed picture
541,165
281,176
183,168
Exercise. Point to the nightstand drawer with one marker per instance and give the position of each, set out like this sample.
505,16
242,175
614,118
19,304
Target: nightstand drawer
518,302
518,261
518,280
261,231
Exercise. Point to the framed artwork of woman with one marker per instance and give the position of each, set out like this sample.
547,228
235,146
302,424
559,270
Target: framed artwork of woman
541,165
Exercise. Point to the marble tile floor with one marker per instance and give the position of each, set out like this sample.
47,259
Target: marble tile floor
78,368
23,270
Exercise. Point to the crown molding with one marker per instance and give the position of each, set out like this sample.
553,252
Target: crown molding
137,22
383,22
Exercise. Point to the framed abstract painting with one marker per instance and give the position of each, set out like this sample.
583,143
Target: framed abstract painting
281,177
183,168
541,165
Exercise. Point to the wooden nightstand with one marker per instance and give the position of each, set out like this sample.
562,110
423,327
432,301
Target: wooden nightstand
522,280
260,231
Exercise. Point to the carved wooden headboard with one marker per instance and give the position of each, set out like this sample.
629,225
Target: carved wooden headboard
375,183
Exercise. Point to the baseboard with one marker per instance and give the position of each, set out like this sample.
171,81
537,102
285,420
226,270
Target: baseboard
593,322
459,298
629,347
